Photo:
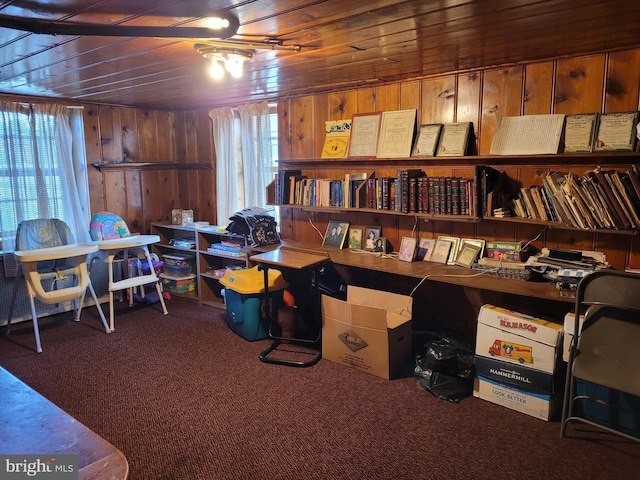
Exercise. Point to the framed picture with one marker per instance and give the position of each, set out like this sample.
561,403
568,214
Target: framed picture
355,238
396,133
336,233
467,255
616,131
474,241
380,245
427,140
365,128
579,131
455,248
441,251
407,249
425,249
454,139
370,234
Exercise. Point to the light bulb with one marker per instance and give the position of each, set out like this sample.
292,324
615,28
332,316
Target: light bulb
233,65
217,23
216,70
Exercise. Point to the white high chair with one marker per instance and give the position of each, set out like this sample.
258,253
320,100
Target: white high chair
113,239
45,255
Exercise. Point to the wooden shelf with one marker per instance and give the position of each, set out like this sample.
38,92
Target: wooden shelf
426,216
558,225
560,159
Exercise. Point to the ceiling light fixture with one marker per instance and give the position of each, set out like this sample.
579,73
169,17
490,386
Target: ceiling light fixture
224,58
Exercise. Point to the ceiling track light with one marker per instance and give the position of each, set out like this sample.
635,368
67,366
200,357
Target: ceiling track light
221,26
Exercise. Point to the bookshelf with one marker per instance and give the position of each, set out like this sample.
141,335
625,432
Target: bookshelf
468,167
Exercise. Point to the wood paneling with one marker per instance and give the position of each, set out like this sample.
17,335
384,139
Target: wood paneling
579,84
571,86
344,45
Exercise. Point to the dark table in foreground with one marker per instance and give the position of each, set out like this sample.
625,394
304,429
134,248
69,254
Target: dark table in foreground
30,424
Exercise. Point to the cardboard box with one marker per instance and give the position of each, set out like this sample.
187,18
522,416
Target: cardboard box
520,376
518,338
536,404
370,331
569,327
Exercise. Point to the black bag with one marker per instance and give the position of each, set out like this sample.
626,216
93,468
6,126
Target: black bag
258,229
445,367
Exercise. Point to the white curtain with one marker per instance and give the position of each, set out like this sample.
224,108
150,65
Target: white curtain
242,142
256,152
41,173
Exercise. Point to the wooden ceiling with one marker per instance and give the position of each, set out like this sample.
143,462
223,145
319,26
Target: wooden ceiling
344,44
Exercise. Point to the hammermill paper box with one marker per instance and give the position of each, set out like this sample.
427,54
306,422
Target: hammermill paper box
370,331
518,338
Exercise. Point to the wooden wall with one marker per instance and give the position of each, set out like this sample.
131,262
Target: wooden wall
155,161
151,162
596,83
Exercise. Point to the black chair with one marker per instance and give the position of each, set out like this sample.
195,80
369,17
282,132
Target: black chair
603,386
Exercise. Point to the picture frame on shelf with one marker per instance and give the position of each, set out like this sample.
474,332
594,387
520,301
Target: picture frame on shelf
407,249
425,249
335,234
454,139
355,238
380,245
616,132
397,130
467,254
474,241
441,251
427,140
579,132
455,248
365,129
370,235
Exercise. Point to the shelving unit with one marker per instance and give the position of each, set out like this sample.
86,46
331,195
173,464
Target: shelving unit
168,233
209,285
205,263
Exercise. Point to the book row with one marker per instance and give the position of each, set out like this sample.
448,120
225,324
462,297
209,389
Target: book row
411,191
599,198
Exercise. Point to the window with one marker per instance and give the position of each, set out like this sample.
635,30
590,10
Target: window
42,168
21,179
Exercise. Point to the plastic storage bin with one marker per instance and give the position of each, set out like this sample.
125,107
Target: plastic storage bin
247,308
626,418
176,271
178,285
178,259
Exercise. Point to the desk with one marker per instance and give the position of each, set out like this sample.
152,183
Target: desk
296,259
435,272
31,424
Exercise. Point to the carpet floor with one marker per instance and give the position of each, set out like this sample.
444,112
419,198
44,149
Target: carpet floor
184,398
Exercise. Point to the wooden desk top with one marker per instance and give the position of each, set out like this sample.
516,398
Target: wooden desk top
31,424
436,272
291,257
